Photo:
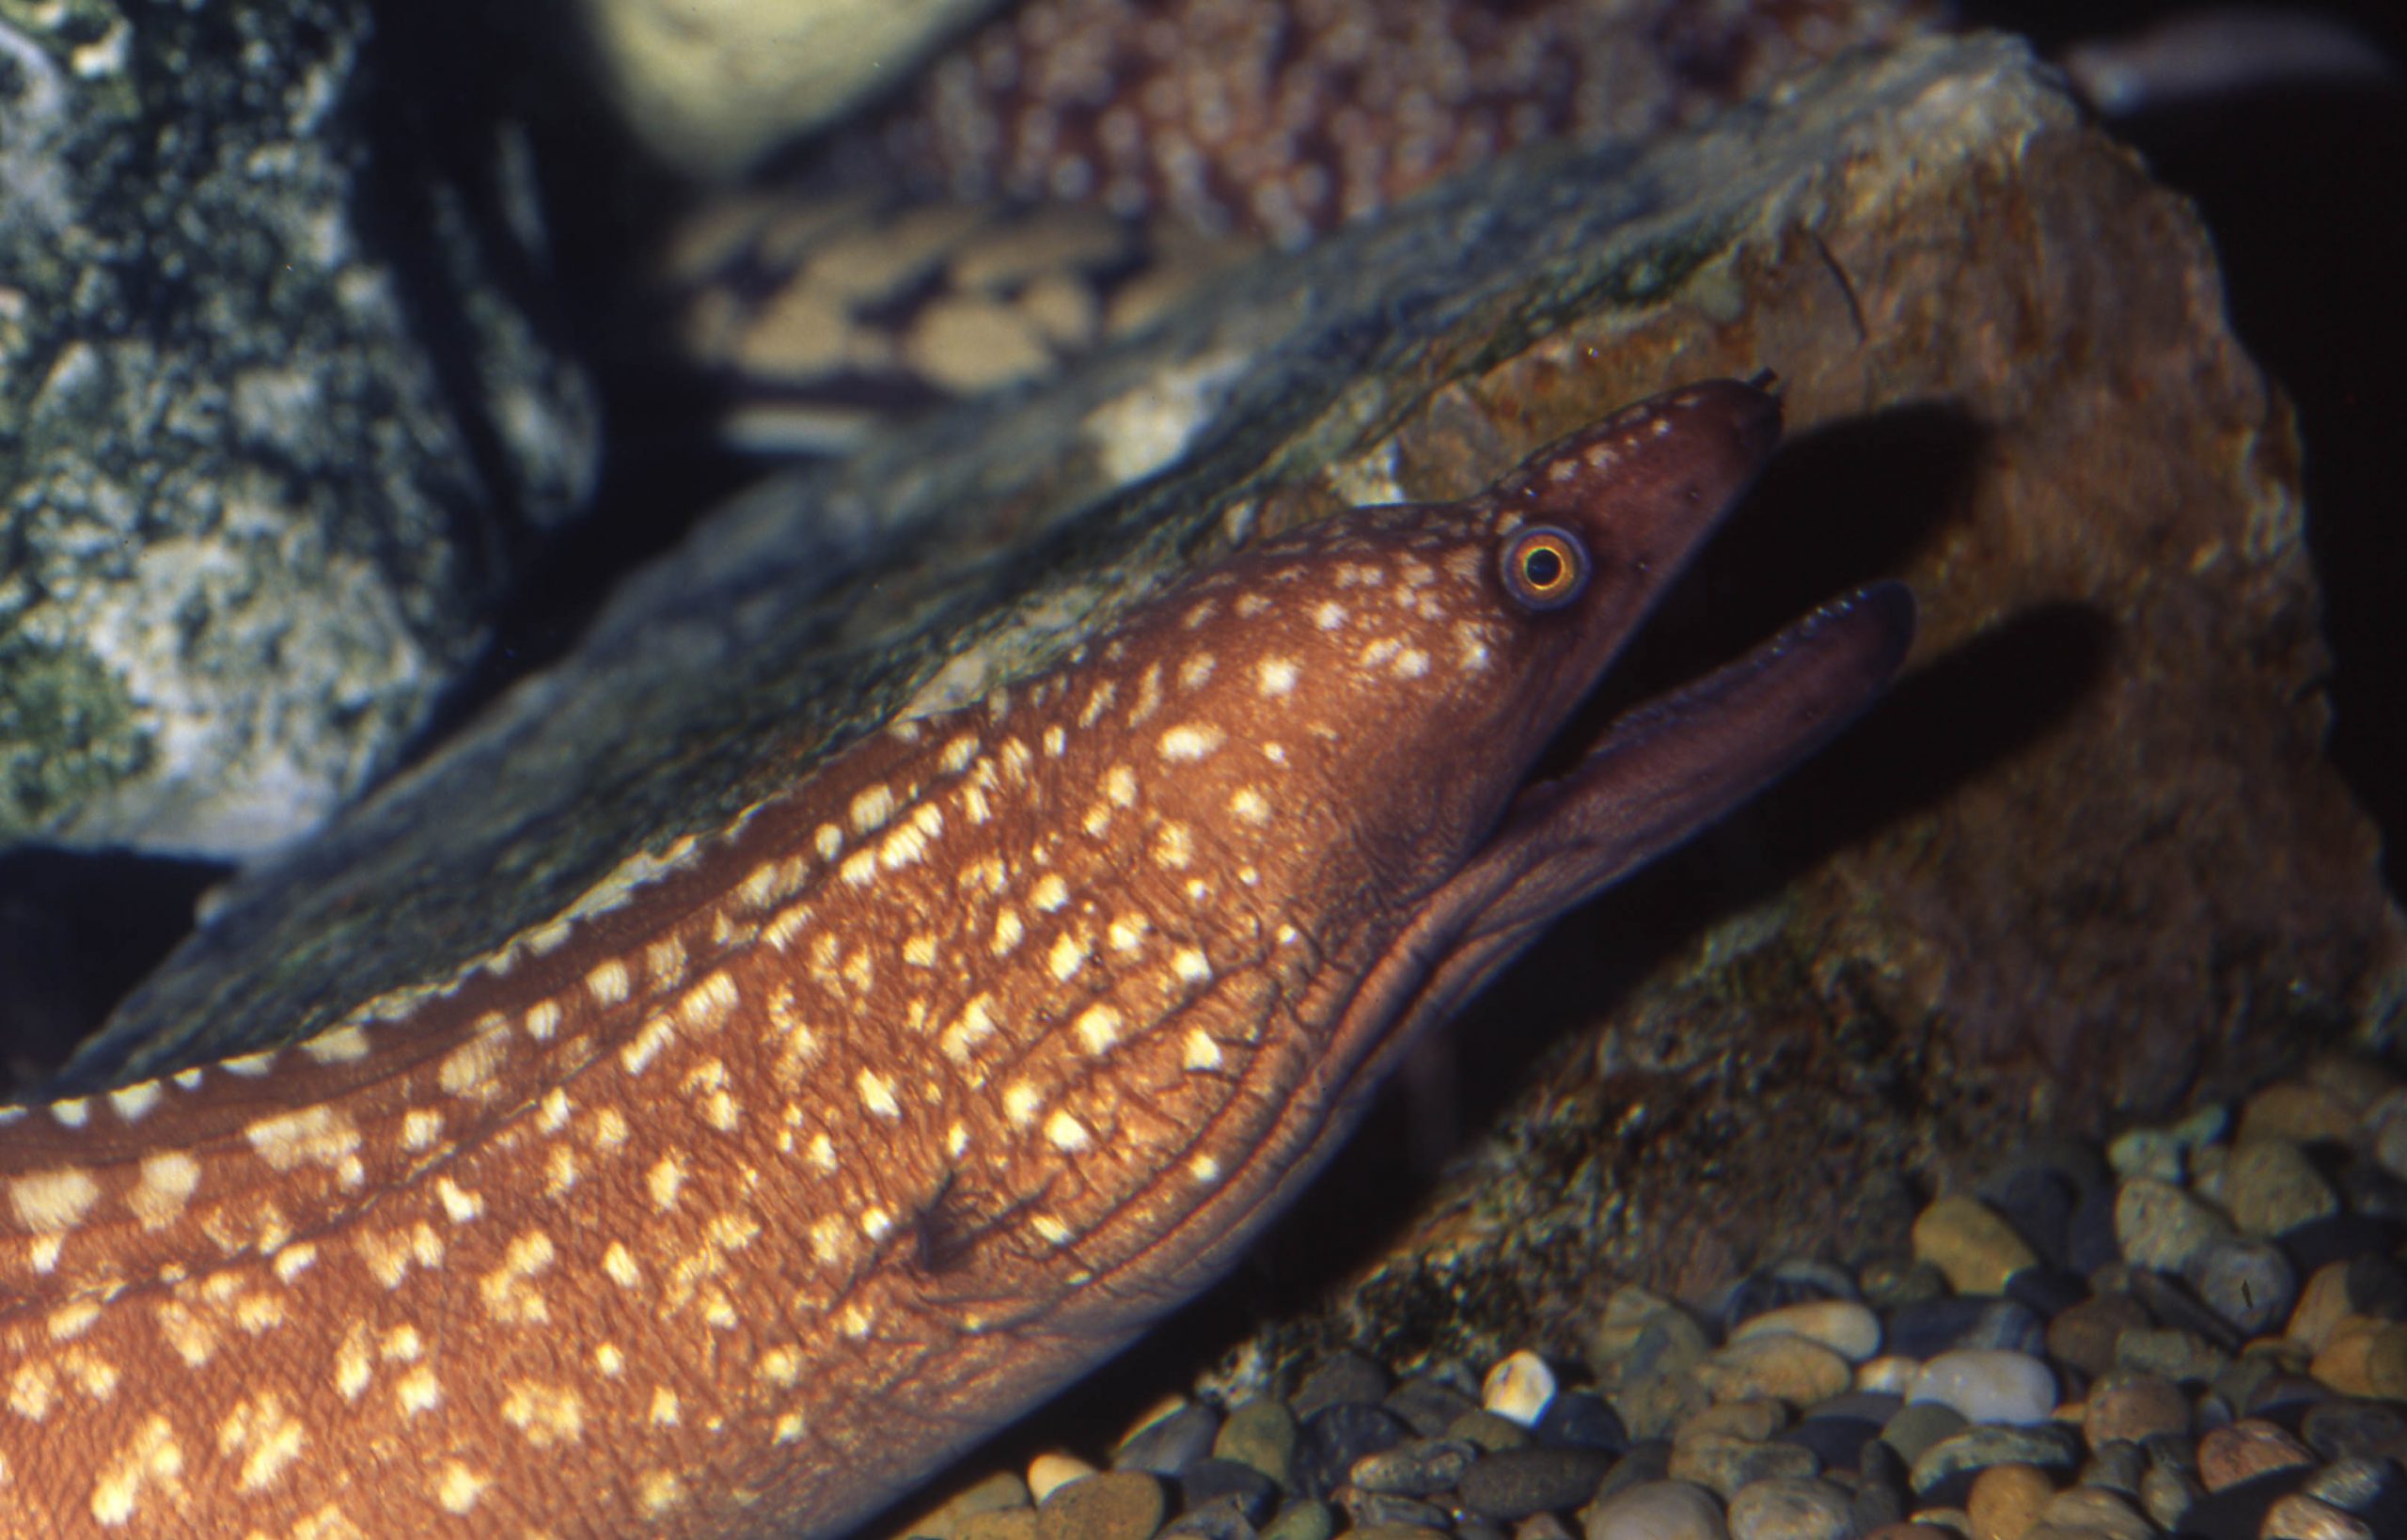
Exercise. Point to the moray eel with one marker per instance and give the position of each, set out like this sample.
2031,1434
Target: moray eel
777,1170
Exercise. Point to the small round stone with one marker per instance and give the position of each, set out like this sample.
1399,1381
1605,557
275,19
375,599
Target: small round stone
1304,1520
1004,1491
2248,1283
2304,1114
1519,1387
1417,1469
2300,1518
1340,1379
2161,1227
2084,1335
1964,1239
2094,1510
2339,1429
1581,1420
1780,1367
1244,1490
1052,1471
1227,1516
2135,1406
1517,1483
2365,1356
2167,1495
1485,1430
1846,1328
1928,1330
1169,1443
1789,1508
2229,1455
2324,1302
1428,1407
1114,1505
2005,1500
1986,1385
2269,1186
1919,1427
1725,1464
2182,1357
1337,1436
1950,1466
1658,1509
997,1524
1262,1434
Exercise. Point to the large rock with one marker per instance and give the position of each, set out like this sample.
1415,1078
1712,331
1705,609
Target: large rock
2087,858
252,472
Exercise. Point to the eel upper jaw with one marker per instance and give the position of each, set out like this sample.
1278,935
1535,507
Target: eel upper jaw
1661,773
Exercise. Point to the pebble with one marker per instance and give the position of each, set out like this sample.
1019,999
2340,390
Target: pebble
1966,1240
1488,1431
2249,1285
2269,1186
2095,1510
2133,1408
1305,1520
1003,1490
1261,1433
1780,1367
1336,1437
1248,1491
1950,1464
2299,1517
1789,1508
1419,1468
2085,1334
2182,1356
2161,1227
1933,1327
2339,1429
1340,1379
1519,1387
1051,1471
1517,1483
1169,1444
1428,1407
1725,1464
1987,1385
2365,1356
2305,1114
1658,1509
1113,1505
1845,1327
1224,1517
1000,1524
2247,1449
1581,1420
1918,1427
2005,1500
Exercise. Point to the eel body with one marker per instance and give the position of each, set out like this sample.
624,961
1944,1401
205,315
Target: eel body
786,1165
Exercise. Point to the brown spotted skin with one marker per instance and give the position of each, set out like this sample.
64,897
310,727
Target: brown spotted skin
784,1166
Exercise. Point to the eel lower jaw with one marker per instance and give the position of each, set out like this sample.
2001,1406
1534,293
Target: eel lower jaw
1662,771
1674,765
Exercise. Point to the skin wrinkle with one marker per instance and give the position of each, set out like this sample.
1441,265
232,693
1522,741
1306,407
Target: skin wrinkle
696,1222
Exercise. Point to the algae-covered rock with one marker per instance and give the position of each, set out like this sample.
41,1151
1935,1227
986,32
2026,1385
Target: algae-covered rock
252,475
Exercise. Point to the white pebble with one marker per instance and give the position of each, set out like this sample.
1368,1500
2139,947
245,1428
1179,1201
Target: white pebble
1519,1387
1050,1471
1989,1385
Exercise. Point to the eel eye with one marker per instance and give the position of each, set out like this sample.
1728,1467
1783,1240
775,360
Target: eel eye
1545,567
